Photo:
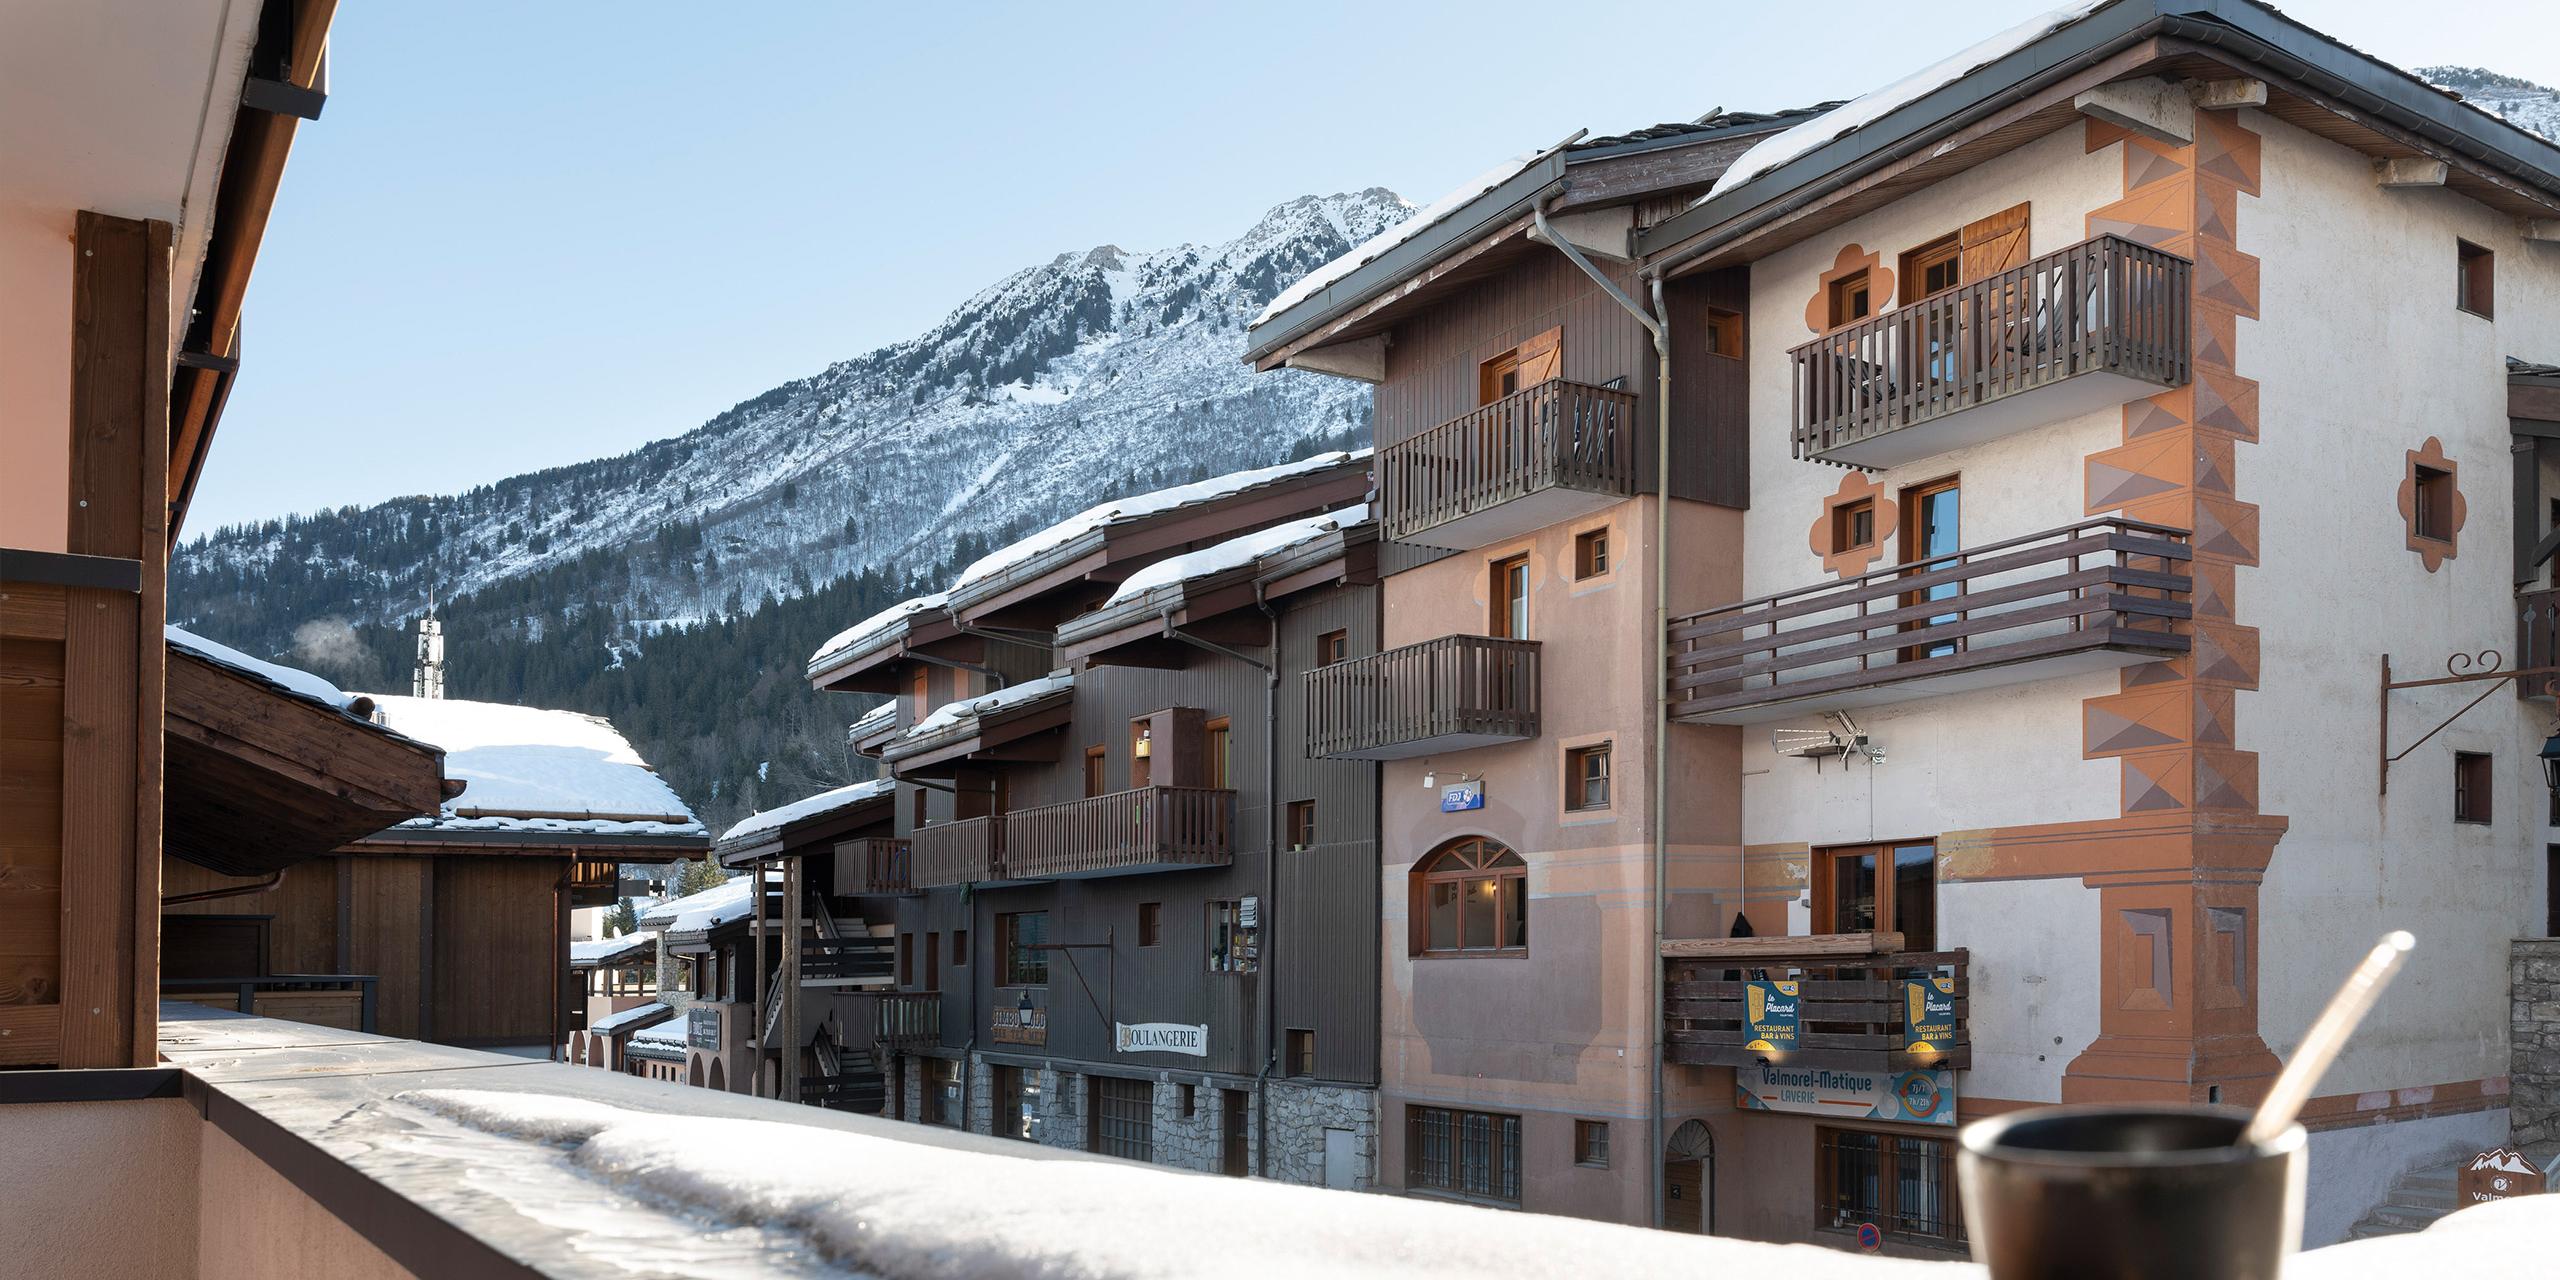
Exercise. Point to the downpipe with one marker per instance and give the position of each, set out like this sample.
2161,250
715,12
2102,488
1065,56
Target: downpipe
1657,323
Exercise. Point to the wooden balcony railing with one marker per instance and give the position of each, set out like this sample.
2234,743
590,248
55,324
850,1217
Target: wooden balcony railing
825,961
2537,640
341,1000
1572,443
890,1021
2104,592
1447,694
1854,1011
2106,306
1125,831
875,865
962,852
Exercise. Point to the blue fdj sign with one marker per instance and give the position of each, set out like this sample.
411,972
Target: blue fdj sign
1458,797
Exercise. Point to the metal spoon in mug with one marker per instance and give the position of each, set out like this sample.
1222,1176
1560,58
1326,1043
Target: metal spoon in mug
2327,1037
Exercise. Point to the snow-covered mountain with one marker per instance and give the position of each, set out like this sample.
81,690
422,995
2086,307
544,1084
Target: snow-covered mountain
2521,103
1095,373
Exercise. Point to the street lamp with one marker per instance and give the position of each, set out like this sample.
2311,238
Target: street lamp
2551,761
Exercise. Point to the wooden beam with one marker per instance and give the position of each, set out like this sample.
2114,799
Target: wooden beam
2147,105
1364,359
2411,171
1812,946
2228,95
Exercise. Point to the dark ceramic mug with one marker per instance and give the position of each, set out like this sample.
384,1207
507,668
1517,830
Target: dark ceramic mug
2103,1191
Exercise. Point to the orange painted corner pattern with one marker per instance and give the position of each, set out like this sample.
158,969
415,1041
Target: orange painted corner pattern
1824,536
1851,260
2432,552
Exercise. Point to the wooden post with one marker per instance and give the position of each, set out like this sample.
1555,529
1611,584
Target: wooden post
755,1007
791,925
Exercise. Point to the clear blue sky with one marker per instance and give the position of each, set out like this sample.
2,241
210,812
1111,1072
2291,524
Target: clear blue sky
528,234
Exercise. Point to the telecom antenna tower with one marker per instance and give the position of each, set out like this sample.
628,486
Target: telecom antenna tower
428,682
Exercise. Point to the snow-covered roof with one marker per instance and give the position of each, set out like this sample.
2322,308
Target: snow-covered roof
950,714
1422,219
634,1014
809,807
597,950
874,722
672,1030
1779,148
294,680
871,631
1139,507
731,899
534,770
1235,553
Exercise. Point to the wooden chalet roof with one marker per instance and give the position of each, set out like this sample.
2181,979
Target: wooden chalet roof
811,825
1221,603
261,773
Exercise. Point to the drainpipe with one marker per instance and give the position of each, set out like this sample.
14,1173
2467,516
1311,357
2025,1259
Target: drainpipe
1656,323
267,885
1264,979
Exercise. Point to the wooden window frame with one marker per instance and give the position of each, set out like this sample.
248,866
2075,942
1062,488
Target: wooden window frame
1591,554
1500,614
1540,359
1467,861
1825,884
1912,532
1579,778
2431,516
1333,647
1301,828
1591,1144
1727,335
1495,1137
2475,281
1946,250
1298,1056
1845,519
1020,963
1843,294
1828,1213
1218,740
2475,788
1150,924
1097,770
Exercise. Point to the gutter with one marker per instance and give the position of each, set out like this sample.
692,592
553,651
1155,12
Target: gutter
1657,323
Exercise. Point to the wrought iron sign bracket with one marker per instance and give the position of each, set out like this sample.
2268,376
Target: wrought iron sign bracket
2485,667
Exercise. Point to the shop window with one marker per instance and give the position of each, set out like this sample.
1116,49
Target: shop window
2475,279
1017,1101
1590,553
1591,1143
1586,777
1903,1184
1471,897
1234,936
2471,787
941,1092
1464,1153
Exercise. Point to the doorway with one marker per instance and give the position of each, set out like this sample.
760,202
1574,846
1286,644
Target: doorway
1879,889
1689,1180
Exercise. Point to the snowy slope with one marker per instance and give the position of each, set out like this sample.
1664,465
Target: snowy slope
1059,384
2521,103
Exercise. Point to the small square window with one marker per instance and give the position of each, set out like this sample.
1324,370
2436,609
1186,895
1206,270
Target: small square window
1853,525
1591,1143
1150,923
1301,1057
1590,553
2475,283
1724,333
2434,514
1333,646
2471,786
1302,824
1586,777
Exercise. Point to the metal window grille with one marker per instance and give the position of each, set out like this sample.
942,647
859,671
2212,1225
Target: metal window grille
1904,1185
1124,1118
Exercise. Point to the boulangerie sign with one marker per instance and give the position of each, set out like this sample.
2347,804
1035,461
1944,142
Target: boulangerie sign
1161,1037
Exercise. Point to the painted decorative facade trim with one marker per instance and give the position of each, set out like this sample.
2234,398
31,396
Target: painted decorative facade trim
2432,551
1826,537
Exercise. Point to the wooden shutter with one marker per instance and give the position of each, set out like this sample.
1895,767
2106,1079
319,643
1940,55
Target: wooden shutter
1542,358
1995,244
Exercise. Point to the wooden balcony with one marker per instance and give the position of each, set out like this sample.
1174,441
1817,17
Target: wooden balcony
953,853
1447,694
890,1021
2102,593
2099,324
875,865
1122,833
1536,457
2537,640
837,962
1854,1014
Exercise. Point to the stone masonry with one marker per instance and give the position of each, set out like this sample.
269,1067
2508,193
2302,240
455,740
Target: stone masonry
1300,1115
2533,1039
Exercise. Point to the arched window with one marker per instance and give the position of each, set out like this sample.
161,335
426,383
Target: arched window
1471,897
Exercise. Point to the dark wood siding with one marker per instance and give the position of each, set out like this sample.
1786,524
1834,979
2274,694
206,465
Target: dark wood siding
1432,360
1327,909
1710,394
495,917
